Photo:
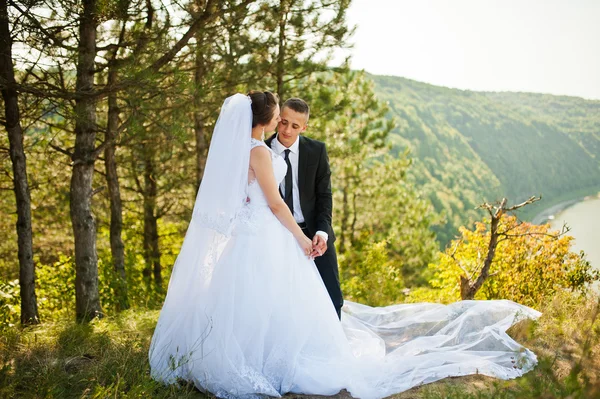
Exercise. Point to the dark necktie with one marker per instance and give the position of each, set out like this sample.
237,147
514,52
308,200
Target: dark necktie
287,196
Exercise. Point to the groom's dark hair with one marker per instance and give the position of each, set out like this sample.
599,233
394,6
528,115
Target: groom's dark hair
298,105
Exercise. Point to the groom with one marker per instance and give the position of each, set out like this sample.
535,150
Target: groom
306,190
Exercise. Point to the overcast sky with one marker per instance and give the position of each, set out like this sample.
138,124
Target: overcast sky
542,46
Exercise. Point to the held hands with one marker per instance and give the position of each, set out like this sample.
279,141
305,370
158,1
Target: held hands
319,246
306,245
314,248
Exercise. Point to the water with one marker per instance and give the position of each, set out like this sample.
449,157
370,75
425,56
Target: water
584,220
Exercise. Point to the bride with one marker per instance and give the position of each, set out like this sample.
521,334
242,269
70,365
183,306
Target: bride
247,313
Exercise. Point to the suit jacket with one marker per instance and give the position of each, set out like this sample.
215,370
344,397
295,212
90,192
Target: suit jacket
314,185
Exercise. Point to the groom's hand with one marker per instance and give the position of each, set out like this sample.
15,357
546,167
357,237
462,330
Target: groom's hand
319,246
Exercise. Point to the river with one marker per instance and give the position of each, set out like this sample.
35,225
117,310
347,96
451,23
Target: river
584,220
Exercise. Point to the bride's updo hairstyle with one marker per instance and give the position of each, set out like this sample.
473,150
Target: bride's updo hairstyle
263,107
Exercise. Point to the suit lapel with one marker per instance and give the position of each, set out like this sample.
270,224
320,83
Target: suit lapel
302,165
270,140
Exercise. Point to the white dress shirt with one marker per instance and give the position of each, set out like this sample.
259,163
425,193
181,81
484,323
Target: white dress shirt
293,156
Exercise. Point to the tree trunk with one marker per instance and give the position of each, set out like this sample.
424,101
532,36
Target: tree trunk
201,146
283,4
29,310
87,299
151,248
468,290
354,217
114,193
345,217
199,129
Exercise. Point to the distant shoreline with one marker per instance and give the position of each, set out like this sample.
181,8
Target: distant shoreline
543,217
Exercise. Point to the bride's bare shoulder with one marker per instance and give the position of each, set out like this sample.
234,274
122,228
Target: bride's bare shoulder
260,154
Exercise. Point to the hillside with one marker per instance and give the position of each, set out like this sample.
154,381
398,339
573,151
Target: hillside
471,147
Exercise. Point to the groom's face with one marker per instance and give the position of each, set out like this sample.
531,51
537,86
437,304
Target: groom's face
291,125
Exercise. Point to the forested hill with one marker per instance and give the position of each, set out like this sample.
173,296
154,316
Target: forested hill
469,147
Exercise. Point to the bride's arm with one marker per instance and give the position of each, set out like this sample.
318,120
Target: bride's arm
260,162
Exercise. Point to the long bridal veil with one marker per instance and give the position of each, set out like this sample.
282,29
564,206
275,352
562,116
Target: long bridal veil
262,323
220,197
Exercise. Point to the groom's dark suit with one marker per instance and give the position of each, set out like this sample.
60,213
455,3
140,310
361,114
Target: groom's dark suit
314,186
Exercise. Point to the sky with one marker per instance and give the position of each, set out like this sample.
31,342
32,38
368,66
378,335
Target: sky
540,46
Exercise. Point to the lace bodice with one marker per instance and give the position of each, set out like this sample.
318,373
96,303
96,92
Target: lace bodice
255,194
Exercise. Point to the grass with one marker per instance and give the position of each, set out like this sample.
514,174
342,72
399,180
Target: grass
108,359
105,359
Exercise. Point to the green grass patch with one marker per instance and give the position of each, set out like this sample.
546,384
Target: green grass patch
105,359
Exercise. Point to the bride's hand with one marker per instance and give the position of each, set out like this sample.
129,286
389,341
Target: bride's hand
306,245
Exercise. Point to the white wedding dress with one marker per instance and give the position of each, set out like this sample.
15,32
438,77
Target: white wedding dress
263,324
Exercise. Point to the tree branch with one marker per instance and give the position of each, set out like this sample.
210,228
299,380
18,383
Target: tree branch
53,38
531,200
67,153
97,190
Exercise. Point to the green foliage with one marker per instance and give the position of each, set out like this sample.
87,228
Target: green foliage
387,205
141,292
55,286
10,304
55,290
369,277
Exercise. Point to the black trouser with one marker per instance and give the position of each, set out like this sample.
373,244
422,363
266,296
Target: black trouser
328,269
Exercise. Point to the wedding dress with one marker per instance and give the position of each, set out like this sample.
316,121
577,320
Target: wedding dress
259,321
